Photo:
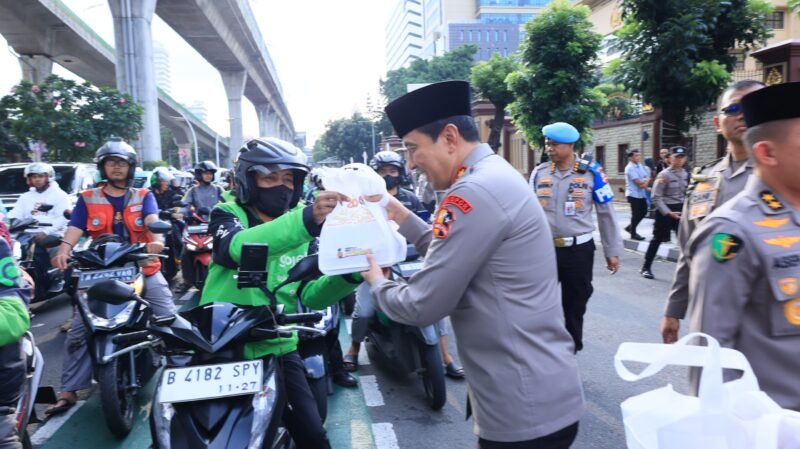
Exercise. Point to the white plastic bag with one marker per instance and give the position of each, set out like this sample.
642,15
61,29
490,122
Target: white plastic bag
360,227
731,415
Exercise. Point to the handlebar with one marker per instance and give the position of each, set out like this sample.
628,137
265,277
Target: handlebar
301,318
133,337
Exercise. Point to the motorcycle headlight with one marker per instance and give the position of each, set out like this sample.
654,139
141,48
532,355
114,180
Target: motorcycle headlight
114,322
209,242
162,420
191,246
263,407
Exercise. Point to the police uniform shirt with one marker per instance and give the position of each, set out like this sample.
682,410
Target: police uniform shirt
490,264
731,180
745,285
555,188
669,189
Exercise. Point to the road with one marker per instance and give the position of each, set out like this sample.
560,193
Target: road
386,412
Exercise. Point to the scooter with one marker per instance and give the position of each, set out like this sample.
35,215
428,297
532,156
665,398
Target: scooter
410,349
198,244
105,318
48,282
32,391
313,348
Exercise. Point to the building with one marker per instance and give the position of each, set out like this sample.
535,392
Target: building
404,34
438,16
161,65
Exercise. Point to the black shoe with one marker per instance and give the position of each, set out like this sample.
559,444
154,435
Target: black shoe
344,379
646,273
637,237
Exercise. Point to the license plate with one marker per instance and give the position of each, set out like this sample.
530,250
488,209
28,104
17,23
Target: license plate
197,229
411,266
197,383
88,278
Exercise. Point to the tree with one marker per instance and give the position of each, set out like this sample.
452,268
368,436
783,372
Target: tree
72,119
489,81
558,73
677,54
346,138
454,65
617,104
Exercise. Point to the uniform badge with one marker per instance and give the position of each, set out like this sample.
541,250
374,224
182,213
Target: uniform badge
461,171
459,202
95,221
772,222
789,286
783,241
791,310
771,200
724,247
578,204
544,192
543,203
139,221
442,223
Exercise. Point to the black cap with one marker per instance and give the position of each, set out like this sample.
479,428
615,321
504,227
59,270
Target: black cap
428,104
680,151
776,102
632,151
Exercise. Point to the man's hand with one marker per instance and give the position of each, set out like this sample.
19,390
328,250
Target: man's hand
60,261
612,264
675,215
669,329
155,247
325,203
177,216
375,272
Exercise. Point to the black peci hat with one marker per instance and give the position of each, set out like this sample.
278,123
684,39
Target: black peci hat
428,104
772,103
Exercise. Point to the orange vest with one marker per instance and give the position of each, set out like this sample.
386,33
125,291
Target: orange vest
100,219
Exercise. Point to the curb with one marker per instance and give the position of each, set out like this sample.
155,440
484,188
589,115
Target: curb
666,251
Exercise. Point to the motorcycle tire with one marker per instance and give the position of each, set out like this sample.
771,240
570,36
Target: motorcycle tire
118,402
169,267
26,440
200,273
433,376
319,388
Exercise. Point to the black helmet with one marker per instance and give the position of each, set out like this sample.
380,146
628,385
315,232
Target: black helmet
265,155
116,147
386,157
204,166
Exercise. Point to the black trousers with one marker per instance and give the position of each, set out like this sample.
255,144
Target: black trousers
301,416
664,225
638,211
561,439
575,265
334,351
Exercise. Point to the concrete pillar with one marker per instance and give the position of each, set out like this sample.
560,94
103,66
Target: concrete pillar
135,73
263,111
234,89
35,68
273,125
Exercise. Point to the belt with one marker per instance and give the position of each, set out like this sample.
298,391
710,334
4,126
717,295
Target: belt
565,242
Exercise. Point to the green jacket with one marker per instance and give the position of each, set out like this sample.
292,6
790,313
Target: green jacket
14,319
227,195
288,237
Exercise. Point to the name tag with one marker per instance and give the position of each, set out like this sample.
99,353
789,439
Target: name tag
569,208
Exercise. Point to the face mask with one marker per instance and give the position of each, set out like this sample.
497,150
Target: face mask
274,201
391,181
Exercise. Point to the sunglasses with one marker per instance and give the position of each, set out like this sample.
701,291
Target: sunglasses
732,109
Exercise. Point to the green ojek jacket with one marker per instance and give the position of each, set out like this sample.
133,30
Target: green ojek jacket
14,319
288,237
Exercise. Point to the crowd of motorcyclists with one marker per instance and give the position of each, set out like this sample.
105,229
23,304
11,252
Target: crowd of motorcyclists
271,196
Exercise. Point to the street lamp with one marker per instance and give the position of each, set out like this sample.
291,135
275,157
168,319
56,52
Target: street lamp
194,136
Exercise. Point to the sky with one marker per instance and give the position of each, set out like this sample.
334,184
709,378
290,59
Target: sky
329,57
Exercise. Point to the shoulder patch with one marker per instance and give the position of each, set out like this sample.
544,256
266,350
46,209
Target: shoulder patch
459,202
442,222
725,247
772,223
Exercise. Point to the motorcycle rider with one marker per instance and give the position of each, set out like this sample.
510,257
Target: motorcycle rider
115,208
161,185
14,293
204,194
269,182
392,168
43,190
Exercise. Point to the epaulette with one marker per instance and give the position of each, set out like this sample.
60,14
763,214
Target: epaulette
696,176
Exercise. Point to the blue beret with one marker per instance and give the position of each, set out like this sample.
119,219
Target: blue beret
561,132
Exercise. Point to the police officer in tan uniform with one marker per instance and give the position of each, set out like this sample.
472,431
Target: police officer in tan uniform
567,187
669,192
489,264
745,257
710,186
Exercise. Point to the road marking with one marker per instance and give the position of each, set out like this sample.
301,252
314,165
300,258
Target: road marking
384,436
360,437
46,431
372,394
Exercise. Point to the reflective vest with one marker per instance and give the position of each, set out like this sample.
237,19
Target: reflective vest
100,220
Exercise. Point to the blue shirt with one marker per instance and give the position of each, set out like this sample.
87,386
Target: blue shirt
80,215
632,172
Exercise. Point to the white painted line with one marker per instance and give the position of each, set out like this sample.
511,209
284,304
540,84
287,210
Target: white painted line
360,436
45,432
384,436
348,322
372,394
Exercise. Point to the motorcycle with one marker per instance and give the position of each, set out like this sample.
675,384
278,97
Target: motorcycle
313,348
105,318
209,395
198,244
173,241
32,391
49,282
410,349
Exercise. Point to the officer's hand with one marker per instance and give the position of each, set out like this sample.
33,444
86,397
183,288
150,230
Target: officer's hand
325,203
60,261
675,215
155,247
374,273
612,264
669,329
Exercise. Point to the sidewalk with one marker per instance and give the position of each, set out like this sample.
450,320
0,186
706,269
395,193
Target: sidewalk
668,251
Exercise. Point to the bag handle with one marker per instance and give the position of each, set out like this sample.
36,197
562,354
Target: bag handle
711,357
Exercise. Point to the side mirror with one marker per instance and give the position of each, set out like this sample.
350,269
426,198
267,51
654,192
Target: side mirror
179,203
305,270
67,213
50,241
45,207
159,227
111,291
164,215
